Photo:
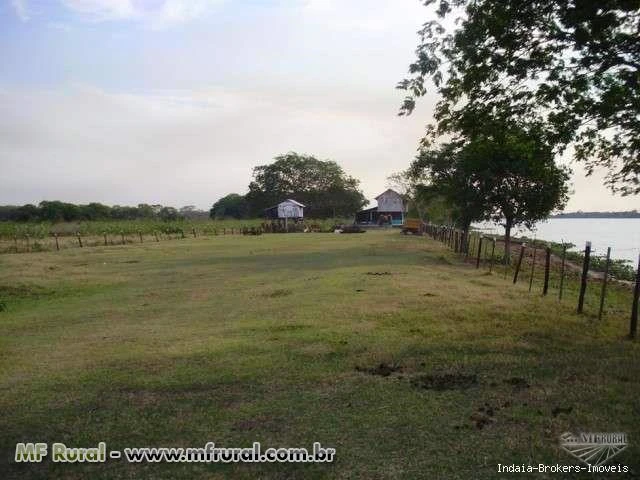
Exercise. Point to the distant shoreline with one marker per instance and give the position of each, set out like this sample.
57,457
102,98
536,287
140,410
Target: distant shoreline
629,214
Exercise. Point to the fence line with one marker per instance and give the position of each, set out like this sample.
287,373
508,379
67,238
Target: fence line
469,245
28,244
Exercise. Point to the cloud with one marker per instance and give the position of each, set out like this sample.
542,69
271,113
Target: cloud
156,14
21,9
363,15
185,147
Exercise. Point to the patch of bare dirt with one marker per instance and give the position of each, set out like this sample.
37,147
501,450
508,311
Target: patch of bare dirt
517,383
383,369
447,381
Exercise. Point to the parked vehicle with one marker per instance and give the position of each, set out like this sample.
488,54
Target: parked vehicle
414,226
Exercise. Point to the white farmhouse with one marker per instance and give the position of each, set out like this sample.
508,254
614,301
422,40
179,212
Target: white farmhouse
391,210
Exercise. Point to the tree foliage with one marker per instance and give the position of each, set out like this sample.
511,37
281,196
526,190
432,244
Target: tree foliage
230,206
571,66
322,186
509,176
57,211
458,178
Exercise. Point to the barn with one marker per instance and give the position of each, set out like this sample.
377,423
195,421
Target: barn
391,210
289,208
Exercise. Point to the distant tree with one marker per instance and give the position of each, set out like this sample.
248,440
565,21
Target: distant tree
168,214
572,65
321,185
192,213
509,177
146,211
27,213
124,213
230,206
453,180
9,213
97,211
435,206
56,211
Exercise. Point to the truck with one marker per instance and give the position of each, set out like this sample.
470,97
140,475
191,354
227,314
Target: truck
415,226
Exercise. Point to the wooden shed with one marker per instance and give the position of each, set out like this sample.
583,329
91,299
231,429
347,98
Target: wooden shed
289,208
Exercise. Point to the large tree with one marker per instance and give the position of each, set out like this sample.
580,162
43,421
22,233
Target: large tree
508,175
522,182
572,65
445,172
321,185
233,205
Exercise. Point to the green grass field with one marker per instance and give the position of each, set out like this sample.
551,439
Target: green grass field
280,339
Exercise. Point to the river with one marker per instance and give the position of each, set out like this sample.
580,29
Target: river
621,234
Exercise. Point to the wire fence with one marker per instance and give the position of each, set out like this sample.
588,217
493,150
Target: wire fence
545,266
548,268
26,243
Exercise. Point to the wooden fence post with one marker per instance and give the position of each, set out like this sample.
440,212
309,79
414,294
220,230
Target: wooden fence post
15,242
633,327
122,235
28,244
55,235
79,239
479,252
533,264
156,234
140,235
515,275
493,251
547,267
564,257
585,274
105,238
603,293
486,249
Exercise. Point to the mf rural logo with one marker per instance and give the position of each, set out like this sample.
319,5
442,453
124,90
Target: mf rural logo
594,448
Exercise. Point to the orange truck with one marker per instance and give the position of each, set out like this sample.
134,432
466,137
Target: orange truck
413,226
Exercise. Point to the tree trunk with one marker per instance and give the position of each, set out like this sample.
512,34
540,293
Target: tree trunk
507,243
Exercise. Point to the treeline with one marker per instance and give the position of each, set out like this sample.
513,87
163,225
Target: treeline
321,185
57,211
627,214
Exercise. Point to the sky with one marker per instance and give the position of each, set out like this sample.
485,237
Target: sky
175,101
